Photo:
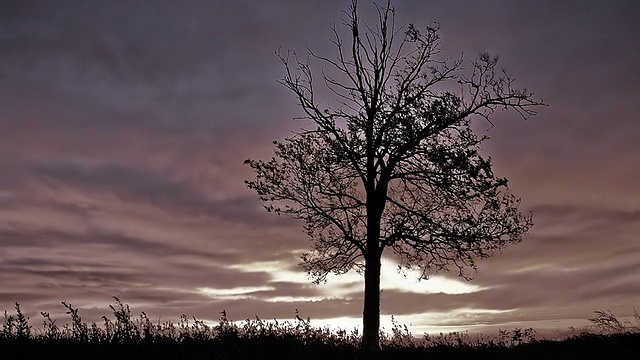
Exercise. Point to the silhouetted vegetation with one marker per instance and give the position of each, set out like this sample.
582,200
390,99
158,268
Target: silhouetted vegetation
126,336
393,163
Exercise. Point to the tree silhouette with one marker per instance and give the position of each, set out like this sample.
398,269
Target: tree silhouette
395,163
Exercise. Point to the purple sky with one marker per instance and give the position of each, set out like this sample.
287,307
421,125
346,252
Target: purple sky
123,127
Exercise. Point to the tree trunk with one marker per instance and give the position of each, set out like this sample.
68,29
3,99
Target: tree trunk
375,207
371,312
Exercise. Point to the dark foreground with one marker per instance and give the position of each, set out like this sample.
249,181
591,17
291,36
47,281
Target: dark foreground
128,337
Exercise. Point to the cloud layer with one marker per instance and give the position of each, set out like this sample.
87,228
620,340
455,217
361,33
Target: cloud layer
123,127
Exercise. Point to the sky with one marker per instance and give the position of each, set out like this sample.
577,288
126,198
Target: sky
124,126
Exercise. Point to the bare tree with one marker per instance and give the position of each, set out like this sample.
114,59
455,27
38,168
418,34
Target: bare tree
394,164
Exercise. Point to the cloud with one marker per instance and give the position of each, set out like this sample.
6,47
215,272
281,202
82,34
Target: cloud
124,126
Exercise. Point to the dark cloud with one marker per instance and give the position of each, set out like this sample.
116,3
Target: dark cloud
124,125
163,190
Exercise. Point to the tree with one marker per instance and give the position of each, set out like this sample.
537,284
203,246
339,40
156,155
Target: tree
394,164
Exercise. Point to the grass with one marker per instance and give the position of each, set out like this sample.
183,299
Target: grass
126,336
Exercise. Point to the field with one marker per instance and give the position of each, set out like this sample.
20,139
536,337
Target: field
126,336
